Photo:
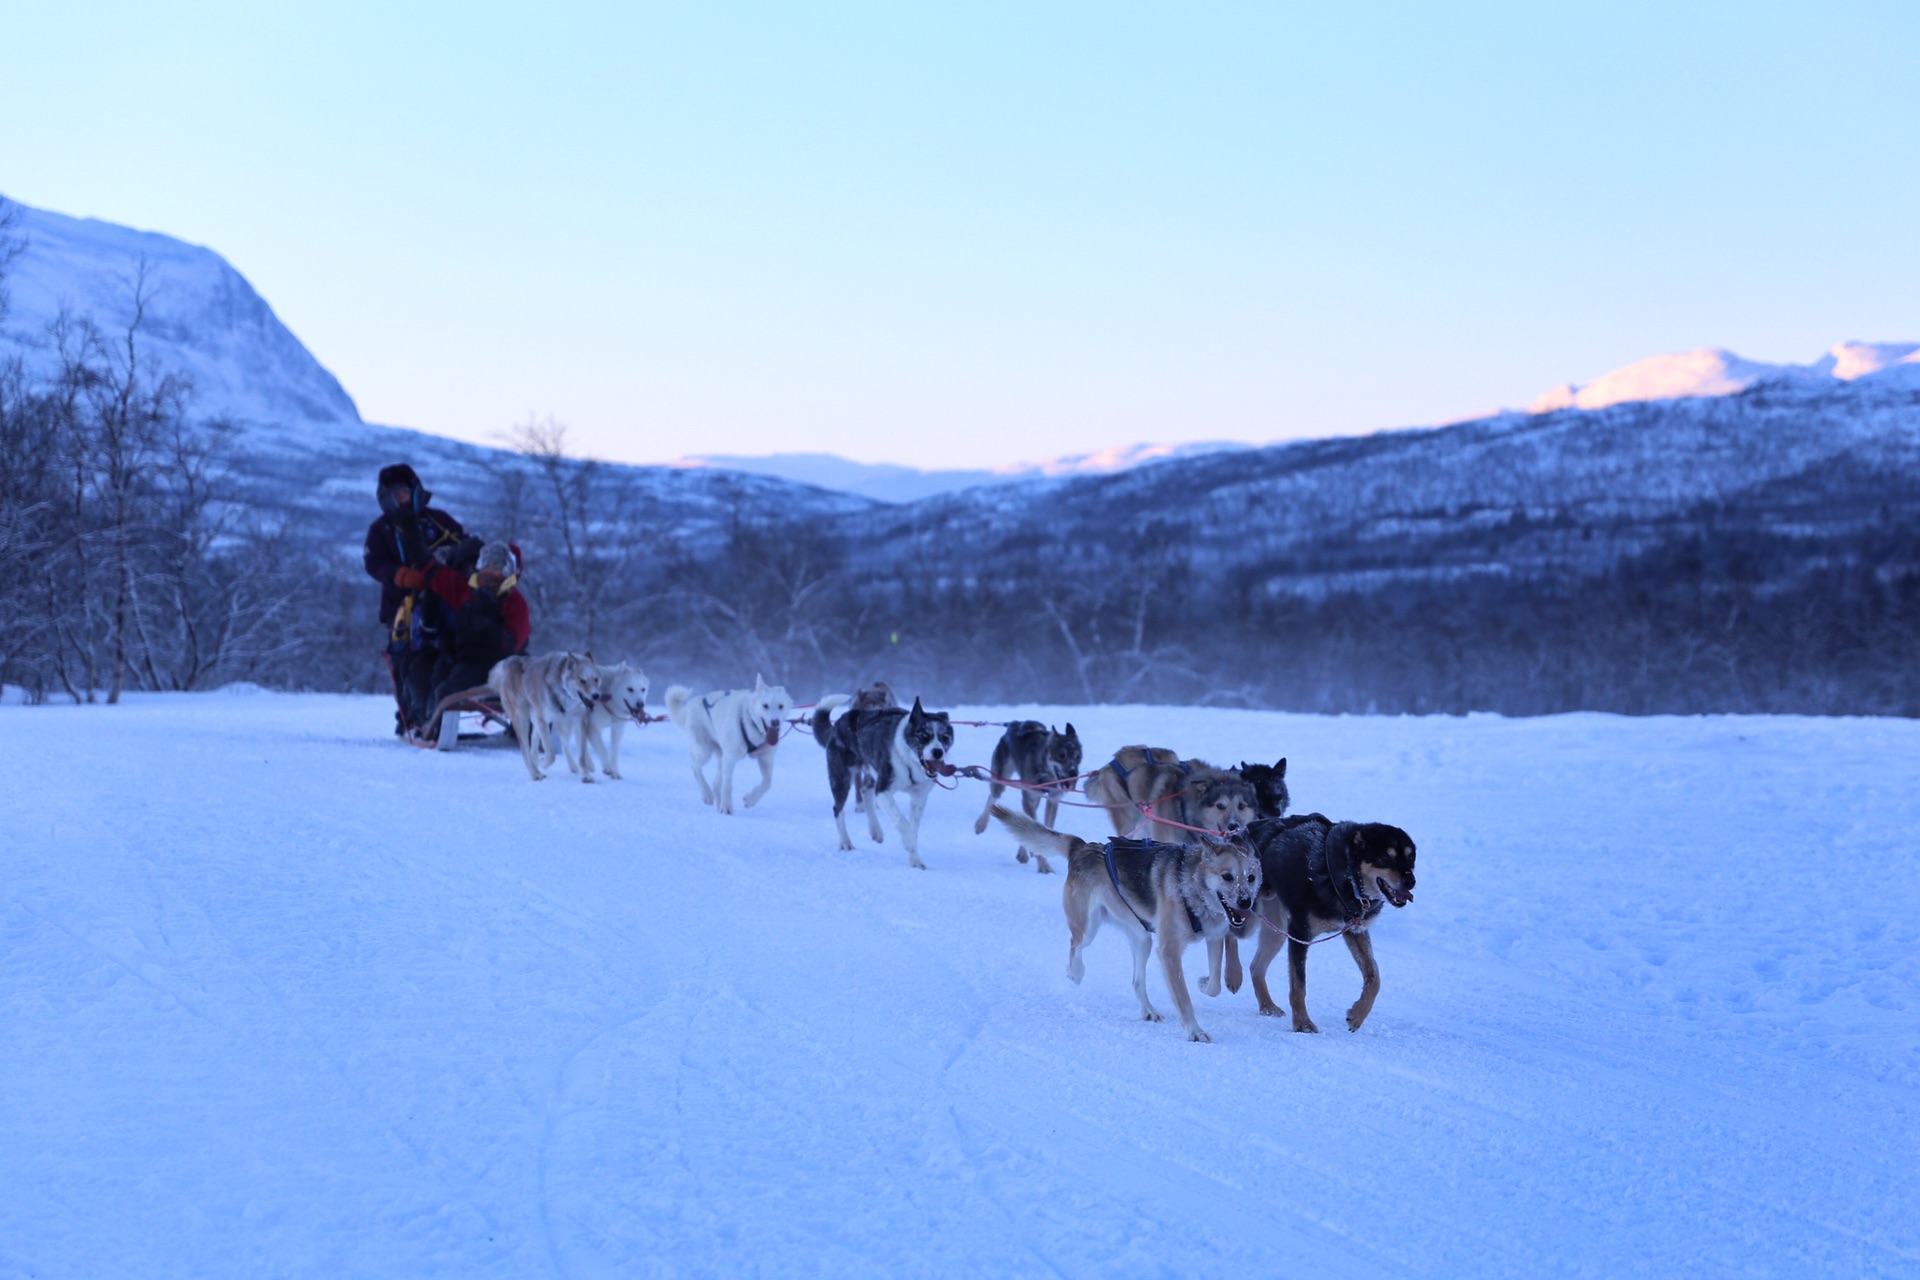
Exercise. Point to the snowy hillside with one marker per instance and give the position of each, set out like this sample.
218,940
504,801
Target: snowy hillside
287,998
203,320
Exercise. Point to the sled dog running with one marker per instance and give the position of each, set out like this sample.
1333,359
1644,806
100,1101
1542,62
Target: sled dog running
1321,876
622,701
1178,894
875,753
732,724
546,699
1149,789
1035,753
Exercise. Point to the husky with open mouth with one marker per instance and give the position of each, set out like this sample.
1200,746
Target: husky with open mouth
623,701
876,752
732,724
1179,894
1322,876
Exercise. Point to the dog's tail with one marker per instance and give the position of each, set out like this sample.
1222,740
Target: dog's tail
1035,835
677,704
823,715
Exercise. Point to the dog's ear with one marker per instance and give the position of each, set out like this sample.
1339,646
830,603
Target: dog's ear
1280,770
918,712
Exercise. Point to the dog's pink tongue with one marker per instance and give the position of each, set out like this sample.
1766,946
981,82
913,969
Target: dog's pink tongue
773,733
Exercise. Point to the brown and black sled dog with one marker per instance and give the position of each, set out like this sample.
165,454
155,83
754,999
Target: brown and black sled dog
1319,877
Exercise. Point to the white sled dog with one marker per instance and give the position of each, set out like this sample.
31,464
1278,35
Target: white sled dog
547,699
732,725
1177,893
622,701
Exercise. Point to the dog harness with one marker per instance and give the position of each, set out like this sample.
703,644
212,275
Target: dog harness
1341,884
1126,773
1113,874
745,736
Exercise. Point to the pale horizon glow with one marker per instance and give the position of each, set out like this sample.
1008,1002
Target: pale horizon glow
976,236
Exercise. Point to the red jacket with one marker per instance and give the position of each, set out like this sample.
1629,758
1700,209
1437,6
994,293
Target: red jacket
452,587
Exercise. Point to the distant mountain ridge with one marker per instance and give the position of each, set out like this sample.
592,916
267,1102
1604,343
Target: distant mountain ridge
891,482
1712,371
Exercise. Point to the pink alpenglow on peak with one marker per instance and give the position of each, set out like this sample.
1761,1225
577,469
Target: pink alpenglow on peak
1712,371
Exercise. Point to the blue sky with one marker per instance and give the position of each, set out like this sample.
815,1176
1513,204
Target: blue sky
972,234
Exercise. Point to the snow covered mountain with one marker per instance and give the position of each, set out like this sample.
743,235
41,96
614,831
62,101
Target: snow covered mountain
1712,371
203,319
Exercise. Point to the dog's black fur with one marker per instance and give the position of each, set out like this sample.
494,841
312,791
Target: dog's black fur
860,755
1033,752
1269,786
1318,876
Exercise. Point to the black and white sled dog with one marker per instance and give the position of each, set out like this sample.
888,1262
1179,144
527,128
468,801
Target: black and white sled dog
1179,894
1322,876
1038,753
733,725
877,752
622,701
547,699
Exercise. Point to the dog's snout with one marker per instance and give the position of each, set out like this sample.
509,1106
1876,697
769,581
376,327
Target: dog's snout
938,752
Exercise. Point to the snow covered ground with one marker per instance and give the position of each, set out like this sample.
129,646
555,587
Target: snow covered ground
283,997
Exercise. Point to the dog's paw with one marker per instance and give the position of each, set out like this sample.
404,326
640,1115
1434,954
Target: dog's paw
751,801
1306,1025
1197,1036
1209,986
1045,868
1268,1009
1356,1016
1020,856
916,864
615,776
846,846
980,825
1151,1015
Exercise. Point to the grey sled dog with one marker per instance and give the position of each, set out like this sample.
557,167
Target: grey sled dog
1178,894
733,725
547,699
1035,753
876,753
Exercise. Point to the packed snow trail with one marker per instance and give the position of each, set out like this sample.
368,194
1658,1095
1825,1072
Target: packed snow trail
284,997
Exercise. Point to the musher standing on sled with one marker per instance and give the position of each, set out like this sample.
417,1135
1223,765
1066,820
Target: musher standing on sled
406,536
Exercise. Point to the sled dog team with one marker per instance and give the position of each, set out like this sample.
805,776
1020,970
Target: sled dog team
1199,853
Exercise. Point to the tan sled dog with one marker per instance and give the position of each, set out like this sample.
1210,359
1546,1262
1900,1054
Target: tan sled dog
1177,894
547,699
1148,789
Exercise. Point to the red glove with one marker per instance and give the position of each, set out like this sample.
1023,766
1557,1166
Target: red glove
409,579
